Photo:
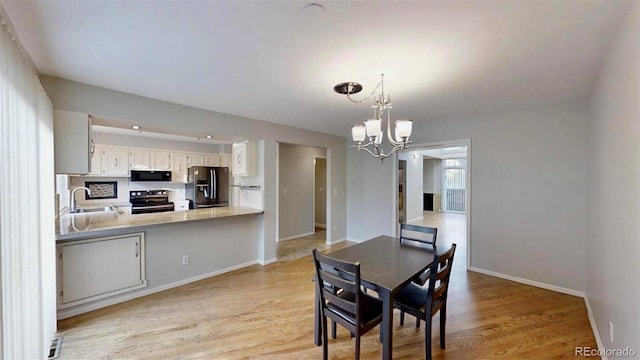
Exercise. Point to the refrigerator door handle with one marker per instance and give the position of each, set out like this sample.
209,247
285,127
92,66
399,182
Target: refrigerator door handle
214,178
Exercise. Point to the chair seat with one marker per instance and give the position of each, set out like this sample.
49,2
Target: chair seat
371,309
413,296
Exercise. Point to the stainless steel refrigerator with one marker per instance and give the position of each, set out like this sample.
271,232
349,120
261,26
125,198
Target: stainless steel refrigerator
207,187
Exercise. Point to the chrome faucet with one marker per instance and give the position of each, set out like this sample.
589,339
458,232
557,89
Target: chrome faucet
72,203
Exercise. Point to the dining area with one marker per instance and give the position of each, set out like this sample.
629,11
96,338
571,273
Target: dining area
358,287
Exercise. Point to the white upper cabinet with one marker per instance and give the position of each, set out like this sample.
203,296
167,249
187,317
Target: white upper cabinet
225,160
179,168
212,160
96,160
195,160
72,142
115,161
160,160
139,159
243,157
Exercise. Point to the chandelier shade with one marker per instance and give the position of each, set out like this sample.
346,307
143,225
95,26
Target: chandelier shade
373,129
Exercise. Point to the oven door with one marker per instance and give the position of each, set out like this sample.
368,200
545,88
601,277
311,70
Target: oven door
151,208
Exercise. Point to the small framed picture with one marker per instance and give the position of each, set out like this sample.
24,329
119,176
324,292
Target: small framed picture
101,190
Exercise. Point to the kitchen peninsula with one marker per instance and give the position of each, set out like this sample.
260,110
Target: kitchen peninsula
105,258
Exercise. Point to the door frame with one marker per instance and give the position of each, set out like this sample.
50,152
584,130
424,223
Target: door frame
315,159
439,145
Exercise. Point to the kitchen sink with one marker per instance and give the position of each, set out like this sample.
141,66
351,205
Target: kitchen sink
93,210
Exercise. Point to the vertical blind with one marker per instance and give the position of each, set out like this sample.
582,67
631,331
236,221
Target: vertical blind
27,244
455,184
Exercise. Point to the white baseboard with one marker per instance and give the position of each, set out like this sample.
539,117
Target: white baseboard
529,282
81,309
268,261
416,219
323,226
336,242
594,328
296,236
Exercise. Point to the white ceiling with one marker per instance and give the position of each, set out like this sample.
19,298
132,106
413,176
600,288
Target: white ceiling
275,61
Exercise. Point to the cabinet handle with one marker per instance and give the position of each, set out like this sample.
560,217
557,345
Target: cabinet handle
116,162
137,249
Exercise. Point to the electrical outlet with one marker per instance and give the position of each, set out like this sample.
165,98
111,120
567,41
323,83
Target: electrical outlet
611,331
185,260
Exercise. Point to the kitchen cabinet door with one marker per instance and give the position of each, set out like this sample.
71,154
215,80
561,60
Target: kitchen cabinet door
212,160
195,160
96,268
72,142
244,158
225,160
139,159
160,160
179,168
115,161
96,160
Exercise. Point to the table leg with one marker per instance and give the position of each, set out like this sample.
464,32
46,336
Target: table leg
387,326
317,339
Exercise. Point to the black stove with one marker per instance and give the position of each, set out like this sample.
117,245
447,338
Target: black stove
149,201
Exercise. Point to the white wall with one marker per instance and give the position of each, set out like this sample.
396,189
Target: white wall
297,171
613,239
370,196
413,187
429,175
73,96
528,193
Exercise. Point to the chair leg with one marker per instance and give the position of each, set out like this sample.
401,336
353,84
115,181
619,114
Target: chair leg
325,339
357,347
401,317
417,323
333,329
427,336
443,321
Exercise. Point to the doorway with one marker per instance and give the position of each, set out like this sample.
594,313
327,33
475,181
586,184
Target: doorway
436,189
302,204
402,196
320,193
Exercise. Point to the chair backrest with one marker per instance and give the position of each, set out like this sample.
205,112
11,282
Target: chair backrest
423,234
440,273
338,283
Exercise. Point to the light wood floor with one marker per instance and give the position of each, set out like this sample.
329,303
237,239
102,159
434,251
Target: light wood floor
267,313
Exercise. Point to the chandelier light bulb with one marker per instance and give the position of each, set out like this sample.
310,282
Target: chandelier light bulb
403,129
373,127
358,132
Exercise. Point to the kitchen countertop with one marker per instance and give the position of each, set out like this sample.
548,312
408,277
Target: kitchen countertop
74,226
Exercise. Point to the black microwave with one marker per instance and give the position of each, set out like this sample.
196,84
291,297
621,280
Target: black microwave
150,175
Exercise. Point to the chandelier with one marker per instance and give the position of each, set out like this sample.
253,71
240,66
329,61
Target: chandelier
373,128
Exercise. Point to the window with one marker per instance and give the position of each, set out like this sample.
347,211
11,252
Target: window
454,182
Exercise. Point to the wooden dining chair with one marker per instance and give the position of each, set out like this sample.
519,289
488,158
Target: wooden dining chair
421,234
342,299
424,302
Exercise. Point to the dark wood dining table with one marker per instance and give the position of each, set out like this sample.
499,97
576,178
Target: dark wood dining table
386,265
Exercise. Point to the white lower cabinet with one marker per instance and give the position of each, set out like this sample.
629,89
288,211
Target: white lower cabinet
96,268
